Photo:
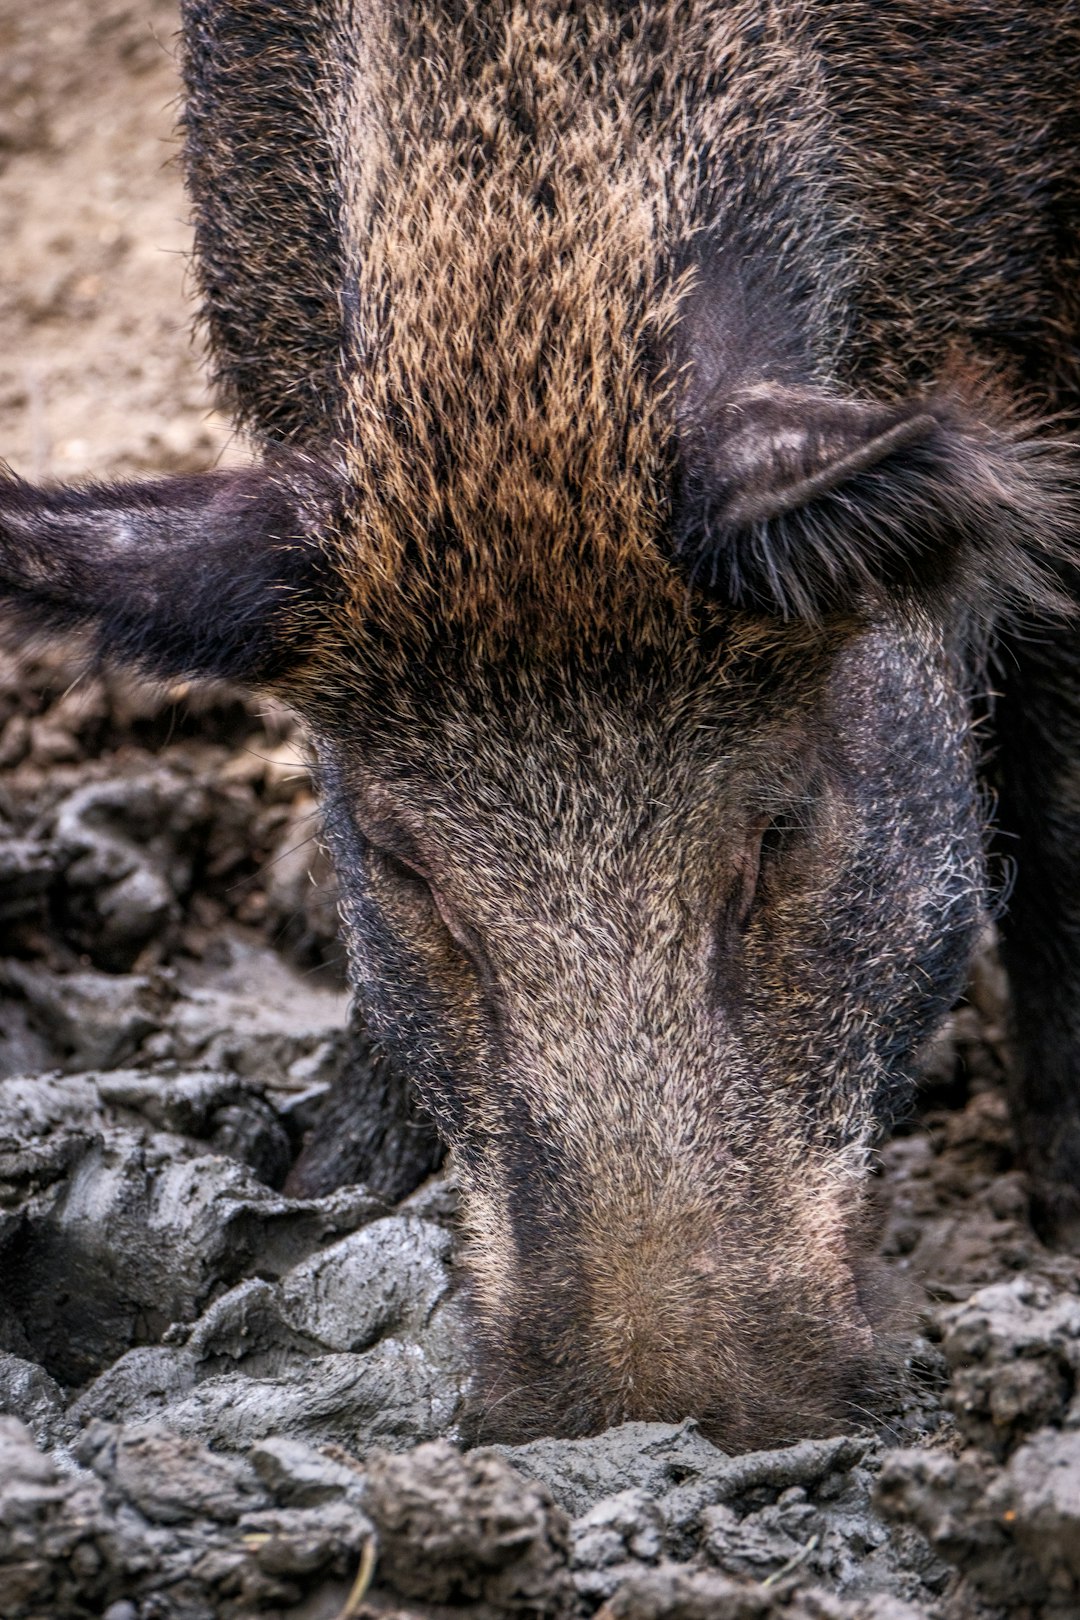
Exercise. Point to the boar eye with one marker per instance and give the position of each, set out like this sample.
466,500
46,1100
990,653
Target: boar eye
766,854
401,871
424,900
399,876
778,838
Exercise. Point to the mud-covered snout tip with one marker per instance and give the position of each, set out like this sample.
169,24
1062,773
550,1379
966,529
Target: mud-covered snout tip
774,1392
763,1338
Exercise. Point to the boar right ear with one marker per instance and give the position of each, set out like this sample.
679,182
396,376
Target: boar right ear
201,575
801,503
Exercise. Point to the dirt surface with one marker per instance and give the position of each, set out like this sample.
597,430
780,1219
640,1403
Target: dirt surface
222,1398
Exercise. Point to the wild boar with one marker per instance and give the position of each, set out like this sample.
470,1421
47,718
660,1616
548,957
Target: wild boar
651,403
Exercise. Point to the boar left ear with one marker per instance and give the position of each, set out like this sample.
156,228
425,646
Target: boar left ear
204,575
800,503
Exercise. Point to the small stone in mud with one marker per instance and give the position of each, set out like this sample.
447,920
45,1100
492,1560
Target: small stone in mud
302,1475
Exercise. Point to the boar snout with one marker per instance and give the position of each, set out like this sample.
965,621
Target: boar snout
740,1298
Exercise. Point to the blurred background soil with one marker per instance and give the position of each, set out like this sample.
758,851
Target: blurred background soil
98,371
203,1375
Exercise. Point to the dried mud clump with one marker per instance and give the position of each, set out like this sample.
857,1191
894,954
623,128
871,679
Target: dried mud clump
1006,1509
461,1529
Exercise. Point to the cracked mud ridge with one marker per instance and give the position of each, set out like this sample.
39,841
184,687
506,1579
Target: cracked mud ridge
231,1373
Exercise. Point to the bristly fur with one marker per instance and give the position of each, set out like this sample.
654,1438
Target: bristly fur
501,234
266,187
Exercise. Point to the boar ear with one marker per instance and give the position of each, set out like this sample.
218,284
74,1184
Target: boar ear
800,503
201,575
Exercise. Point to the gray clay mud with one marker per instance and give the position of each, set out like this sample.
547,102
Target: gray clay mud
232,1368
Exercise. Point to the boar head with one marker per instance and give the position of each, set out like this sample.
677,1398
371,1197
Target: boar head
654,806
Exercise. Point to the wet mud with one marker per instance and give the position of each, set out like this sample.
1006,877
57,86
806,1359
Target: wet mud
233,1346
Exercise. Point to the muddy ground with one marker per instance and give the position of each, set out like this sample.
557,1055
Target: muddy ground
221,1398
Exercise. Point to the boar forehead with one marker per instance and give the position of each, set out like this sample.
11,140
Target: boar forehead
550,746
511,774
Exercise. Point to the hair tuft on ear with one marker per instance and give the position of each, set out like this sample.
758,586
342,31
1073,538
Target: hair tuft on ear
799,503
206,575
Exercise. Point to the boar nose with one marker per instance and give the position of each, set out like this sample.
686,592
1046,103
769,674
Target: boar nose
655,1303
